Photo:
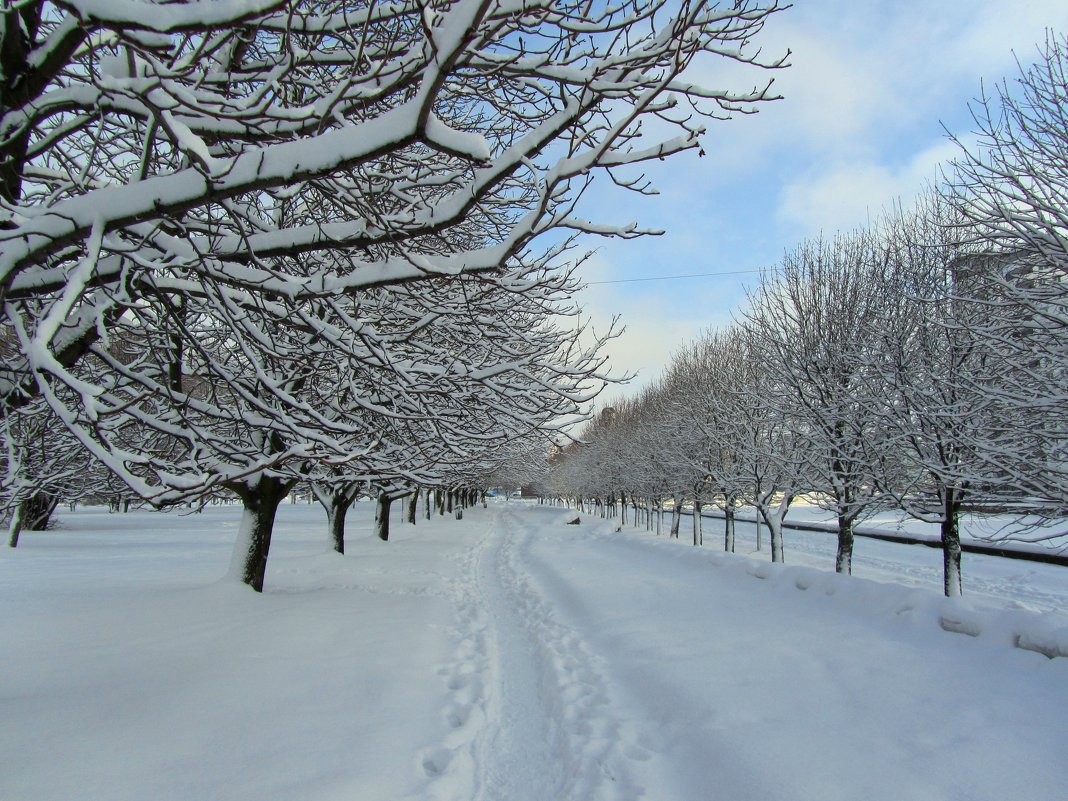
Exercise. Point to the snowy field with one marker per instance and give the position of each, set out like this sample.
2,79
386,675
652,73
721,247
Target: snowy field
510,657
989,581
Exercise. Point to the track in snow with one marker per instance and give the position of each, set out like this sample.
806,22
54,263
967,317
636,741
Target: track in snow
531,715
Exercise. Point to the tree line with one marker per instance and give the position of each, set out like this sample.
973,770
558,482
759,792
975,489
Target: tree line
919,364
250,243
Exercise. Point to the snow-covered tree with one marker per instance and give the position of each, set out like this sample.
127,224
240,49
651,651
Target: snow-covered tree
721,363
692,398
1009,190
815,323
41,466
227,183
940,423
771,452
148,149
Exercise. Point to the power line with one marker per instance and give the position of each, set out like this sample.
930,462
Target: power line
672,277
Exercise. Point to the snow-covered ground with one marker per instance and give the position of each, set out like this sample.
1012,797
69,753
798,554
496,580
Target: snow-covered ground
989,581
511,657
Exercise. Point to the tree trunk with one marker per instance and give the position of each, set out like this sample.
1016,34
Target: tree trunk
775,530
382,504
18,38
15,527
728,526
37,511
952,583
413,499
335,521
774,522
336,502
659,517
843,563
428,503
260,499
623,510
698,533
676,517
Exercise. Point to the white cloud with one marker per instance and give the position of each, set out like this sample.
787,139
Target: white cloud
656,323
859,129
866,77
850,194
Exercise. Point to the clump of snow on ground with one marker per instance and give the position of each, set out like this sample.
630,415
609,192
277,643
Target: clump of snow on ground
510,656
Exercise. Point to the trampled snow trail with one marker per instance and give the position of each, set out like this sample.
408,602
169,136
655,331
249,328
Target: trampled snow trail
533,718
520,757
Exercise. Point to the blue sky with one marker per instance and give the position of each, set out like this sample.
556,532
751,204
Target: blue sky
860,127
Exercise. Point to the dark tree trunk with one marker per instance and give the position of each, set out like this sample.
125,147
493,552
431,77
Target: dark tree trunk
36,511
12,162
336,512
175,368
728,526
260,500
698,532
428,504
336,500
382,504
676,517
449,501
413,499
952,583
14,527
17,38
844,561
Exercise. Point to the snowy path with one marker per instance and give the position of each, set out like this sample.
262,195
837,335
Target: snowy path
545,727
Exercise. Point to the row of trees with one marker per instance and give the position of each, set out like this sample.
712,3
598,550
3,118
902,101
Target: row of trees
921,364
245,243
